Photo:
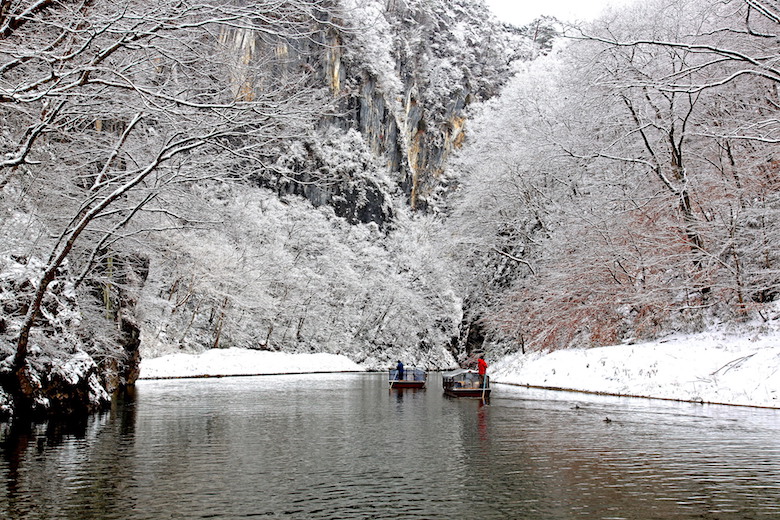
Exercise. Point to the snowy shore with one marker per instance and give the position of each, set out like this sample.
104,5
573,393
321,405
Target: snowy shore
705,368
242,362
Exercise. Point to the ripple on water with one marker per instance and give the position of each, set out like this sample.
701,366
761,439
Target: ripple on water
343,446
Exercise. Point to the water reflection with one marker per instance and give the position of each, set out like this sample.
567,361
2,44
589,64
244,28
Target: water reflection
345,446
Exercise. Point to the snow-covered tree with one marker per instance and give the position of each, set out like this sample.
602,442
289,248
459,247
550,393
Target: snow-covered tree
280,275
108,109
630,185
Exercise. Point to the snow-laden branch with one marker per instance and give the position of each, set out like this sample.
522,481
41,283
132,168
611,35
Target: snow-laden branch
172,148
107,236
30,136
15,21
515,259
766,9
115,152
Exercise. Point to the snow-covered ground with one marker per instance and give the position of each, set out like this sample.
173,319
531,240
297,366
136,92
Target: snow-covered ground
239,362
711,368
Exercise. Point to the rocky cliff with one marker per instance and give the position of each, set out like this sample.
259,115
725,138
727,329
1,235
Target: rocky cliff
226,264
400,74
78,360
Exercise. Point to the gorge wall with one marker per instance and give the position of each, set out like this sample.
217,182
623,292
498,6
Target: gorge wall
232,254
401,74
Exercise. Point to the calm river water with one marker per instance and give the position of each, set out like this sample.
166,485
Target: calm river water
343,446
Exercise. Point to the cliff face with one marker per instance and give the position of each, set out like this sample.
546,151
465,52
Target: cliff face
438,57
400,74
399,77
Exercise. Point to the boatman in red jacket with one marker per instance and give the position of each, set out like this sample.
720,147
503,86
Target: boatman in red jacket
482,369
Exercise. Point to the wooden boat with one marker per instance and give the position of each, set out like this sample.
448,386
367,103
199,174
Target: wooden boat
413,377
465,383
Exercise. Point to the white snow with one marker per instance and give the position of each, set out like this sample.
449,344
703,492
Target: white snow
708,368
714,367
239,362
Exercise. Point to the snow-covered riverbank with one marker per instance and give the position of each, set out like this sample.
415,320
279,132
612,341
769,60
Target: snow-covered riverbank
240,362
709,368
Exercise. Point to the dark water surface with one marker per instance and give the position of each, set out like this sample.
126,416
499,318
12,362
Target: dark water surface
343,446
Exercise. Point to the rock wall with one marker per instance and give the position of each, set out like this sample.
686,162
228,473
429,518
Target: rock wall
445,55
403,80
71,367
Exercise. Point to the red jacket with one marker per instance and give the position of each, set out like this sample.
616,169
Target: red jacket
482,366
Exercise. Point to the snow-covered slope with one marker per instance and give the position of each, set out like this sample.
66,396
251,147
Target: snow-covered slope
712,367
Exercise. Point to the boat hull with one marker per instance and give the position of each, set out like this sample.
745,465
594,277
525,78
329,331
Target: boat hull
467,392
466,383
407,384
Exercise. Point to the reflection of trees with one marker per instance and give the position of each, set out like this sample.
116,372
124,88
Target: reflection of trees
16,440
36,458
23,446
109,465
648,462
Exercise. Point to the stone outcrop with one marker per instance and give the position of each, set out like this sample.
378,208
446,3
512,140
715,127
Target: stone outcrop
69,371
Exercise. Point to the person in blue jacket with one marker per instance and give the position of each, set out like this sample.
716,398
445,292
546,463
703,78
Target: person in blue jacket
400,368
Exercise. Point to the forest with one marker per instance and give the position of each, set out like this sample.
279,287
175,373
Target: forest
375,179
640,195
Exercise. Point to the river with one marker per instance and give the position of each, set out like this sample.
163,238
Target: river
344,446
